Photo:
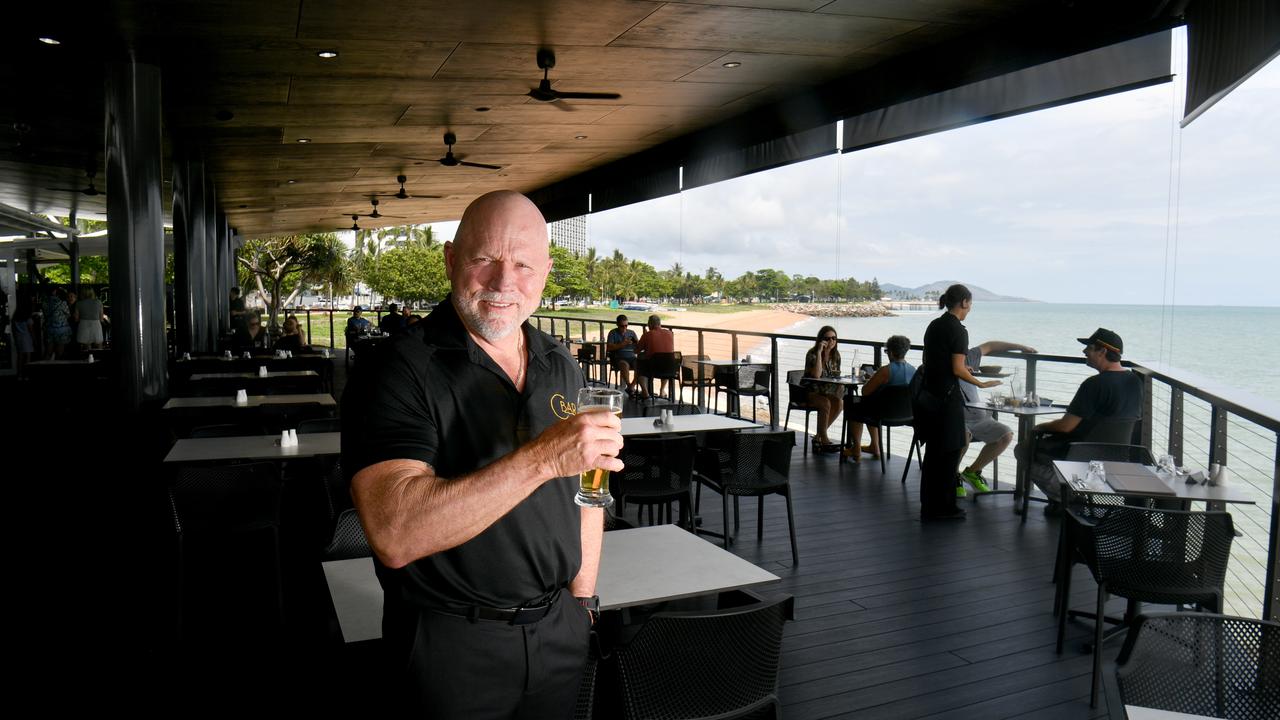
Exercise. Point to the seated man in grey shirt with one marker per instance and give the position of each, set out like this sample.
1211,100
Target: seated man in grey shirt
979,423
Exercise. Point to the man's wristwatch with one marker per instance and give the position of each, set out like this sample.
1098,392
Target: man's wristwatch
591,605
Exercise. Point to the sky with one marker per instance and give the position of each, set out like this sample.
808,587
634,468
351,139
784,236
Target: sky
1101,201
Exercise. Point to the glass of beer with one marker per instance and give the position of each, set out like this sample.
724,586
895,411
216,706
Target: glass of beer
593,488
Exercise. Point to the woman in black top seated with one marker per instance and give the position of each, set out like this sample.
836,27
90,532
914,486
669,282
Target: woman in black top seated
291,337
252,336
938,407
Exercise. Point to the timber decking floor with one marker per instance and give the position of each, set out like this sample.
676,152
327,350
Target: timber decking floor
902,619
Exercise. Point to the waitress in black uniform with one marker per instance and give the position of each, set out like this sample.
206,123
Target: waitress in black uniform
939,406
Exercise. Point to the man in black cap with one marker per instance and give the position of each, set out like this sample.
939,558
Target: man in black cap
1113,393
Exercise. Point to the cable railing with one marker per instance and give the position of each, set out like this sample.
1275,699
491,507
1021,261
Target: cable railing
1196,421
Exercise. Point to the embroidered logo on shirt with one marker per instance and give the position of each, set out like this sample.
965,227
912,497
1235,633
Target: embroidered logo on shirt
562,408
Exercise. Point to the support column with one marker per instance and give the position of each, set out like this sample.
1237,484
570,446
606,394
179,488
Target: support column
213,300
136,237
183,259
225,280
196,242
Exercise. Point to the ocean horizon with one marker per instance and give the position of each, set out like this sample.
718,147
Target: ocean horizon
1237,346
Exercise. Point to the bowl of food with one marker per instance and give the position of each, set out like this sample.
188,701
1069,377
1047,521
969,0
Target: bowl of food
990,369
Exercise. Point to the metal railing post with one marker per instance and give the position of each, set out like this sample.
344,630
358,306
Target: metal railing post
1218,436
1175,424
1271,598
773,382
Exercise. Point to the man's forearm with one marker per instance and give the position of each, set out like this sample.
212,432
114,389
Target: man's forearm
411,513
584,585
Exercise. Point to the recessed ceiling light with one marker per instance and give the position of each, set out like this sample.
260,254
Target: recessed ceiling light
304,141
50,40
224,115
327,54
243,206
732,64
291,181
579,137
482,108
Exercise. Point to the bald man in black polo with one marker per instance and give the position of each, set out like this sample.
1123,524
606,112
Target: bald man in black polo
466,453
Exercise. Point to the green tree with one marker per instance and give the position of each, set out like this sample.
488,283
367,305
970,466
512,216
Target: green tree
279,268
568,275
412,273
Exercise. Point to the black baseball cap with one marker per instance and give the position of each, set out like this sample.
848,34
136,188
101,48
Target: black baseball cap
1107,339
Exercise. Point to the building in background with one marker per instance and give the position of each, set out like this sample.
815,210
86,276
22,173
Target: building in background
570,234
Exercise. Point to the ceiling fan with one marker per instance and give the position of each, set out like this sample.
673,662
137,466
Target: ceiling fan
91,190
449,160
545,93
403,195
373,200
355,223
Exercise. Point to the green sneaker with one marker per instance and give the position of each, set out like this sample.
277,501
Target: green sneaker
976,481
961,492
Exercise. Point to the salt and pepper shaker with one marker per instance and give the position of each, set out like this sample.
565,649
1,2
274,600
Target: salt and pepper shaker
262,371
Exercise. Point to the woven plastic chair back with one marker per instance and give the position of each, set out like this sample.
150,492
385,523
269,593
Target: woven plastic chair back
319,425
227,430
1203,664
704,664
664,366
225,497
798,394
349,540
1161,556
895,405
656,467
760,461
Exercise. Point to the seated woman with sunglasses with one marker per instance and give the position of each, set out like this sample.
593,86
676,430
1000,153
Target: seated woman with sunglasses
823,360
251,336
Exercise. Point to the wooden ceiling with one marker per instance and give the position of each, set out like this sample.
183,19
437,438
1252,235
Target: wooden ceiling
242,79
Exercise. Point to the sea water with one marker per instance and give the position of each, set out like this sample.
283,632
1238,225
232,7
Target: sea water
1236,346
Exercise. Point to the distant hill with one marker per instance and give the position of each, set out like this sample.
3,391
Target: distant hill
934,289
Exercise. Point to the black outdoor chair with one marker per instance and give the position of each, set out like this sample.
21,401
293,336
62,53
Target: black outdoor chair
749,464
1112,431
587,361
693,375
885,409
1148,555
282,416
705,664
224,430
737,382
798,399
659,471
1199,664
349,540
320,425
663,367
212,504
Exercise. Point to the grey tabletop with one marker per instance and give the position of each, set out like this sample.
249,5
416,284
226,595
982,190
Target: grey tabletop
637,567
1037,410
254,400
253,375
847,380
1223,493
683,424
253,447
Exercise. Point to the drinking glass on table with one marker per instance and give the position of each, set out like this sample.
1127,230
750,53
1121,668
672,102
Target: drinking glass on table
593,487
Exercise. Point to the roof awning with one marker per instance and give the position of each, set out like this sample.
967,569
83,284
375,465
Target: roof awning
1115,68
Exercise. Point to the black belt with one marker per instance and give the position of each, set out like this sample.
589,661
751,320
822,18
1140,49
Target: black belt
523,615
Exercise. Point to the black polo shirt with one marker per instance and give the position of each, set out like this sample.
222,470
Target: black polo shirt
1111,394
433,395
945,336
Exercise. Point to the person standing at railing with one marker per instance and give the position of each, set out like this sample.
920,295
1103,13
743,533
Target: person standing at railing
1115,393
994,436
621,345
938,405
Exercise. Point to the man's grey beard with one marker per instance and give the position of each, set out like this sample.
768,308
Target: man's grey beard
469,309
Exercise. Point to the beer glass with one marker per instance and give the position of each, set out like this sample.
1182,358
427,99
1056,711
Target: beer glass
593,487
